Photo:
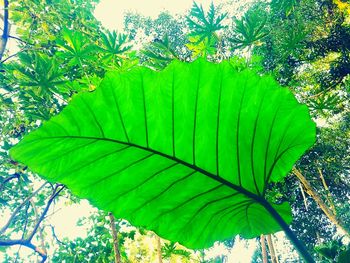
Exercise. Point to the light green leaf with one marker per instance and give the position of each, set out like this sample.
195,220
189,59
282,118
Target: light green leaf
187,152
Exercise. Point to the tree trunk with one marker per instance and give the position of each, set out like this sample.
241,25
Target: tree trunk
272,249
117,258
311,192
159,249
263,249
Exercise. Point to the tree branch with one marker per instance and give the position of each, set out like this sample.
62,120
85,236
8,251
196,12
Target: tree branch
23,233
28,241
329,195
6,29
316,197
304,197
40,228
13,176
55,193
24,243
4,228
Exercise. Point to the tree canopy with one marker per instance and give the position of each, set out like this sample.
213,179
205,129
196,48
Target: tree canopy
68,75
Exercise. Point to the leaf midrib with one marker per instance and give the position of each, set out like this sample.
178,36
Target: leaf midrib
219,179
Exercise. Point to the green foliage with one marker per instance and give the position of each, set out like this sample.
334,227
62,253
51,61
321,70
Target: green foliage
334,251
306,49
170,249
110,143
325,102
114,46
204,25
39,71
249,30
76,47
284,6
159,53
165,26
201,48
115,52
97,246
291,40
40,78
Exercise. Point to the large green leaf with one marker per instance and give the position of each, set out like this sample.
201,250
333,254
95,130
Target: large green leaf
187,152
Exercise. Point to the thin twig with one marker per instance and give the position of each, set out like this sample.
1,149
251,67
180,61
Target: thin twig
55,236
13,55
20,40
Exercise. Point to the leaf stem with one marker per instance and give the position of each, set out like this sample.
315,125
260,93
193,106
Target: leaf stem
292,237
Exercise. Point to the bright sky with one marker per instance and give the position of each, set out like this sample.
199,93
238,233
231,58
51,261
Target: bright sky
110,12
